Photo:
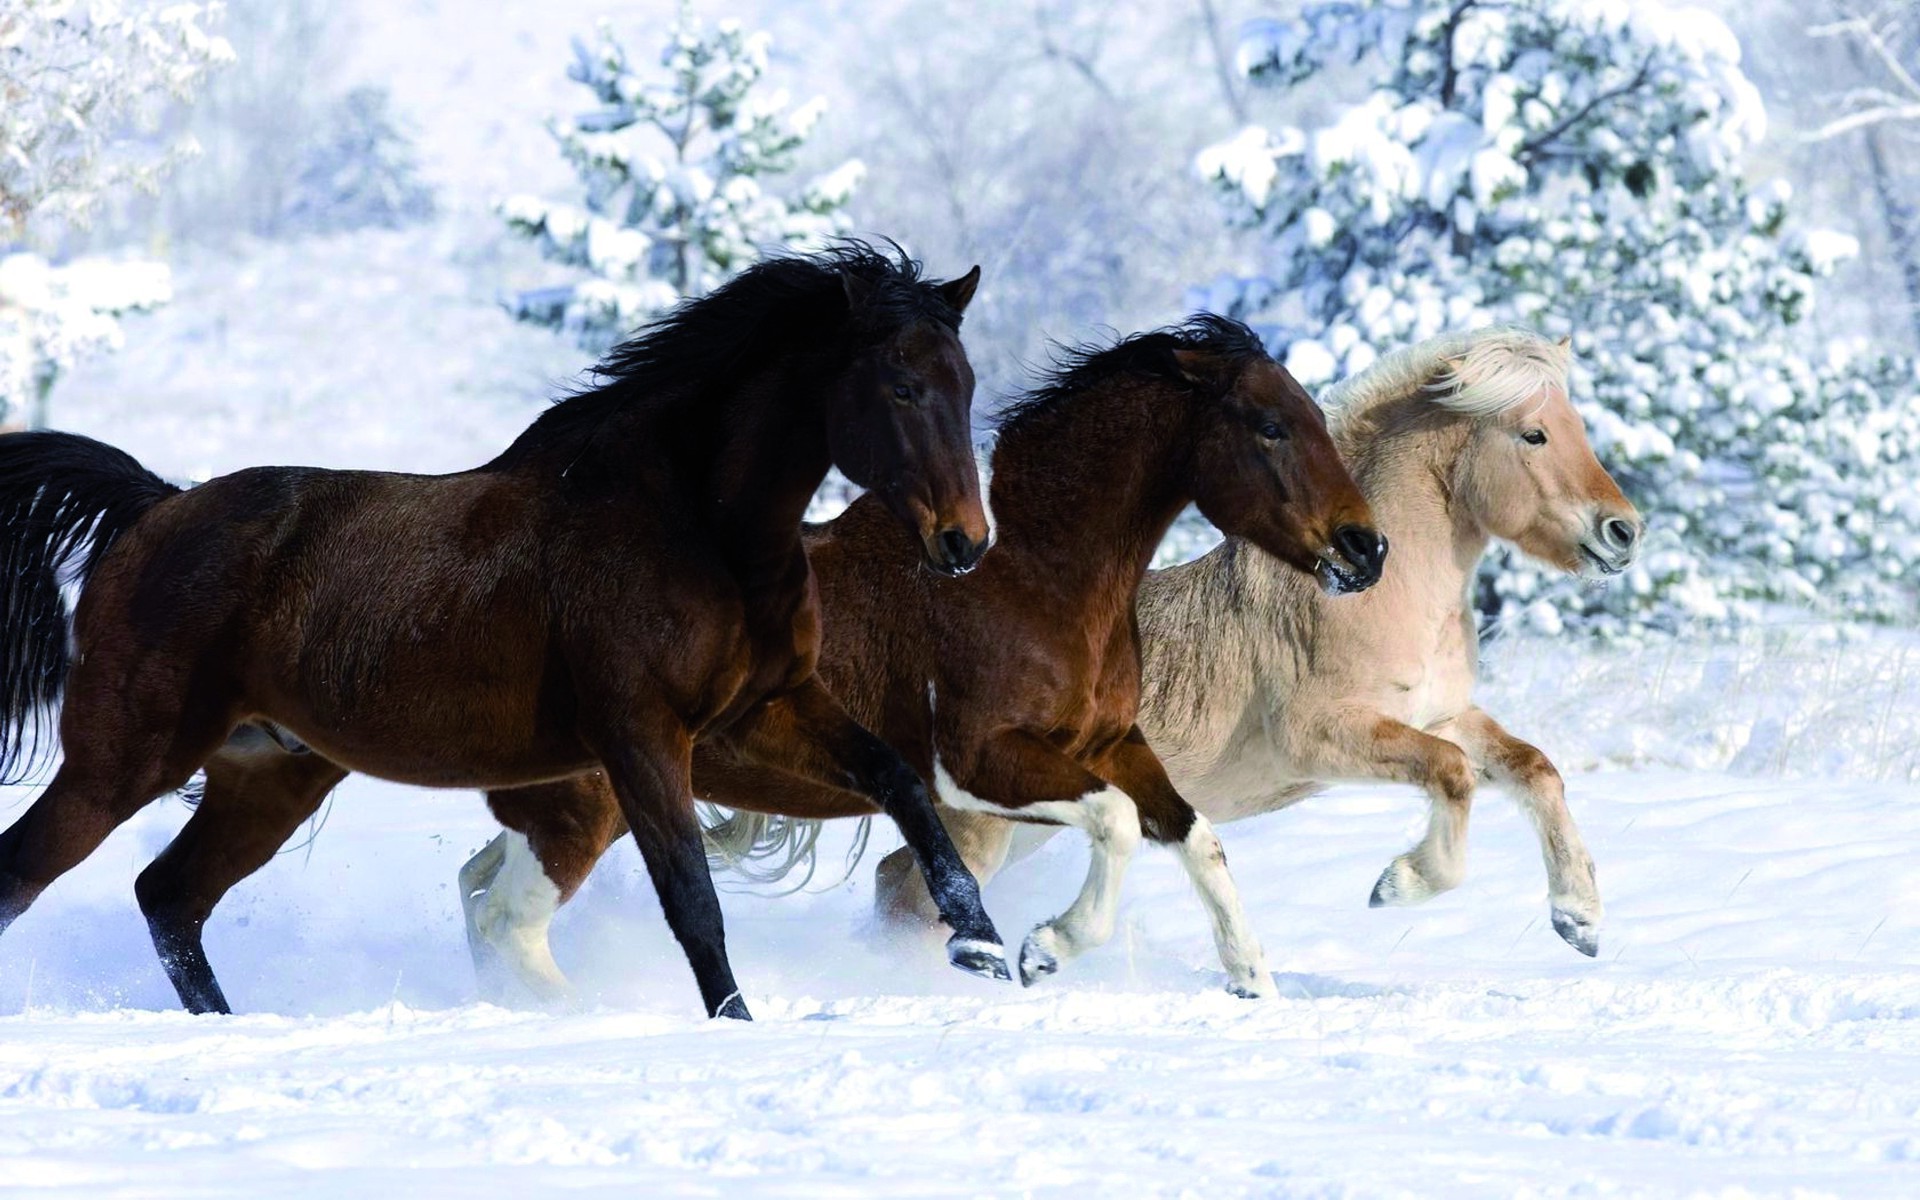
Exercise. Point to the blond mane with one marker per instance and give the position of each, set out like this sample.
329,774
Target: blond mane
1479,374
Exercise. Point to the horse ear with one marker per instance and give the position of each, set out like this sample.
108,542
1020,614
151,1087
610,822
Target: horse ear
1565,341
958,293
858,290
1196,367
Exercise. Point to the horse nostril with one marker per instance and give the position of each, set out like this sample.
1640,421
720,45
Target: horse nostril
1361,546
957,548
1619,534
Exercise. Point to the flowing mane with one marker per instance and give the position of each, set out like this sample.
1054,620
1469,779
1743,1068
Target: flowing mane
1076,368
789,305
1478,374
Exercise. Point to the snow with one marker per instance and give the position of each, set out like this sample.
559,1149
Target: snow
1751,1027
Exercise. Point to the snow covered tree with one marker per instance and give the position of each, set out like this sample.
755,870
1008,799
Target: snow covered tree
361,171
672,164
1575,165
83,86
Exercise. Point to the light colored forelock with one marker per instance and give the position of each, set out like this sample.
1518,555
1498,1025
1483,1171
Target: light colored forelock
1478,374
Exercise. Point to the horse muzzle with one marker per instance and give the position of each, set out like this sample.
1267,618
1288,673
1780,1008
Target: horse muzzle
953,552
1353,561
1611,545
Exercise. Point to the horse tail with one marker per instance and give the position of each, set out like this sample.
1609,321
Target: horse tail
64,499
768,849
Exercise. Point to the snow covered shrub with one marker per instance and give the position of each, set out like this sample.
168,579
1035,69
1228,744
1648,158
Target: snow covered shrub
361,171
672,163
1575,165
76,80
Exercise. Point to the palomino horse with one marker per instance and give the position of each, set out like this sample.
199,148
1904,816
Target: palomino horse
1016,687
1259,692
625,579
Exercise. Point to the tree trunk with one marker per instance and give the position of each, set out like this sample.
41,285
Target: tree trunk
1903,230
37,407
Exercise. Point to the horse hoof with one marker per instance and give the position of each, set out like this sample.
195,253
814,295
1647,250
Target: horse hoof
1251,991
1036,961
733,1008
985,959
1399,885
1578,932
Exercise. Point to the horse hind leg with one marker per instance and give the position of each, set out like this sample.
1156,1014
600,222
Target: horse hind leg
513,887
107,776
508,919
900,896
253,802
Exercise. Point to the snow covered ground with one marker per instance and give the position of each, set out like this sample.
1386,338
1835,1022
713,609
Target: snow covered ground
1751,1027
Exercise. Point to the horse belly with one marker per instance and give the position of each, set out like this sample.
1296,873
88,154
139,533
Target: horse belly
468,704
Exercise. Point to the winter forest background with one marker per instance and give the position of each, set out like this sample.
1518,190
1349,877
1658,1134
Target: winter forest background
302,231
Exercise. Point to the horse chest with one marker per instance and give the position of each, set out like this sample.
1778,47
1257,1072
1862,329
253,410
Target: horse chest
1438,681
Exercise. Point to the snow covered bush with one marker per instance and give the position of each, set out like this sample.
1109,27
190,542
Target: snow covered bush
672,164
1576,166
361,171
83,87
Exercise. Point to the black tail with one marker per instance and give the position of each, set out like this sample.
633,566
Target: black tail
59,492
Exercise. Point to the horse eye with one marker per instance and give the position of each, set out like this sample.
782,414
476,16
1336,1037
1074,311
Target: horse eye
1273,432
1534,437
902,391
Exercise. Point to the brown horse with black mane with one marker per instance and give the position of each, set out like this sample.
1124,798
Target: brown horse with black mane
1015,689
625,580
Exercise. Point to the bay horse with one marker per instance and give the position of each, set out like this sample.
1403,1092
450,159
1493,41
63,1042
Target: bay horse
1259,692
626,579
1014,690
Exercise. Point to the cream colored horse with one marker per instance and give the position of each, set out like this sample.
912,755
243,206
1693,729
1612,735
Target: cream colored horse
1259,691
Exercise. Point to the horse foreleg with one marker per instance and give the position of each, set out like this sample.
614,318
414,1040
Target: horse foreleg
1523,770
1167,818
252,804
650,763
513,887
806,732
1368,745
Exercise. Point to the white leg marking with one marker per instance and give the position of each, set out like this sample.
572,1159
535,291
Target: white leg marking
513,918
1206,863
476,876
1112,823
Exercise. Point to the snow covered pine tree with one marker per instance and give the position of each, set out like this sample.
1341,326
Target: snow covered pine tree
1575,165
672,168
74,78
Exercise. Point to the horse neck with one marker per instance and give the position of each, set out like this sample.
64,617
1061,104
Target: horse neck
1406,469
771,456
1083,495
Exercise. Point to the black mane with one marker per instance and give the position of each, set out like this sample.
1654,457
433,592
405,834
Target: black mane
791,304
1076,368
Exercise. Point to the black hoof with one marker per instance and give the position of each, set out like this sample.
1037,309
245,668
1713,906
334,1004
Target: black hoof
733,1008
1035,964
985,959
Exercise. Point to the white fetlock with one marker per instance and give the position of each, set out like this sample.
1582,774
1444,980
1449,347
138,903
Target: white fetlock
1041,954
